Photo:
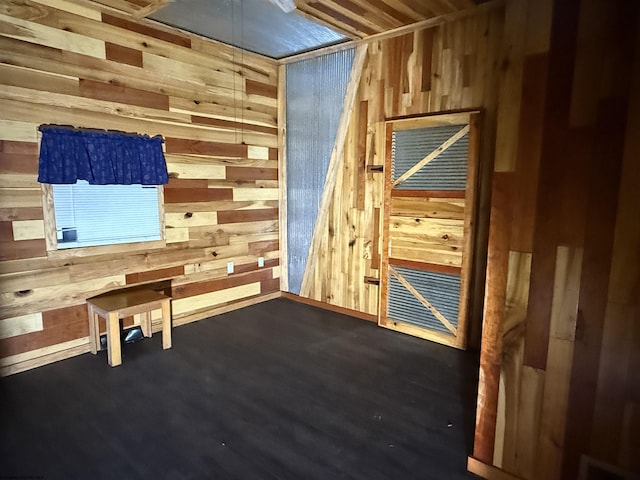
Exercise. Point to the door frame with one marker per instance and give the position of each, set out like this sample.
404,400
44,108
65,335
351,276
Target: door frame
473,119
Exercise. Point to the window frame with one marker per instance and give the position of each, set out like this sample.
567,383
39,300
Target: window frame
51,237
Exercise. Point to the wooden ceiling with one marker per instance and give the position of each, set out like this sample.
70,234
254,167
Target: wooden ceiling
353,18
361,18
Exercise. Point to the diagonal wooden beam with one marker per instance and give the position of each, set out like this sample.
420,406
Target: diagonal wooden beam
424,301
335,164
461,133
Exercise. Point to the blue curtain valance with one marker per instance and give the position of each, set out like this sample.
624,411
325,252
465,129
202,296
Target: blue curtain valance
100,157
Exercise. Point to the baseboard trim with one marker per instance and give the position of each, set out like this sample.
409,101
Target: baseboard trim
201,315
333,308
39,361
46,359
224,308
489,471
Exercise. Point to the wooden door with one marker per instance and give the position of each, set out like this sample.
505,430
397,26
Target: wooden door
430,188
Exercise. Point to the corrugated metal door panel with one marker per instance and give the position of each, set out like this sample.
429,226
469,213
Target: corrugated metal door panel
448,171
442,291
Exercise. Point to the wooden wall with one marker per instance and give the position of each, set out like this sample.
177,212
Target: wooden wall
453,66
559,357
217,110
559,86
362,18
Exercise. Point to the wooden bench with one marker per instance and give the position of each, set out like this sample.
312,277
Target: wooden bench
117,305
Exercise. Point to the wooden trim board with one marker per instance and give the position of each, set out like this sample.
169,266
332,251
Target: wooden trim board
282,177
333,308
488,471
201,315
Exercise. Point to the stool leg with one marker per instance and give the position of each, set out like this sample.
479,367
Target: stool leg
113,339
94,333
166,324
145,323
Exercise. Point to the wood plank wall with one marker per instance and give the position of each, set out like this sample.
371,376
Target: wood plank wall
449,67
558,84
559,357
217,110
561,335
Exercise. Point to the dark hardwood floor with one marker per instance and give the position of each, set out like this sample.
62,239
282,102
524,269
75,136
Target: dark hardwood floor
279,390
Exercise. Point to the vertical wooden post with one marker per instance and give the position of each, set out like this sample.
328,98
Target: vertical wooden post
494,313
94,334
282,177
145,323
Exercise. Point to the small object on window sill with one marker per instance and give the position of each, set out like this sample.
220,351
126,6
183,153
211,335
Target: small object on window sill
69,235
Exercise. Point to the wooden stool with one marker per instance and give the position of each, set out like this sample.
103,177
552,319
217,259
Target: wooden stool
114,306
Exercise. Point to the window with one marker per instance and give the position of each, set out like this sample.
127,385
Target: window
93,215
101,188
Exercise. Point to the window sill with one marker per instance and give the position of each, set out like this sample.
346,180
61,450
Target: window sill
106,249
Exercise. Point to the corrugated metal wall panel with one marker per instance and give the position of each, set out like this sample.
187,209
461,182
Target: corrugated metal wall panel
442,290
315,95
448,171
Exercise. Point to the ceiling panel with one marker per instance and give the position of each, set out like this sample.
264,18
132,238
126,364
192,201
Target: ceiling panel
253,25
261,27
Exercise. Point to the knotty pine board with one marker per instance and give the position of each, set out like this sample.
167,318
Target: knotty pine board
422,72
88,68
565,387
437,241
361,18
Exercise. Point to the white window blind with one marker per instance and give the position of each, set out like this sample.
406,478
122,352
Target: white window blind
91,215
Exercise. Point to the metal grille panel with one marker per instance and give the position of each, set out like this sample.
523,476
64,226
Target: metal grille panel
315,96
448,171
442,290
